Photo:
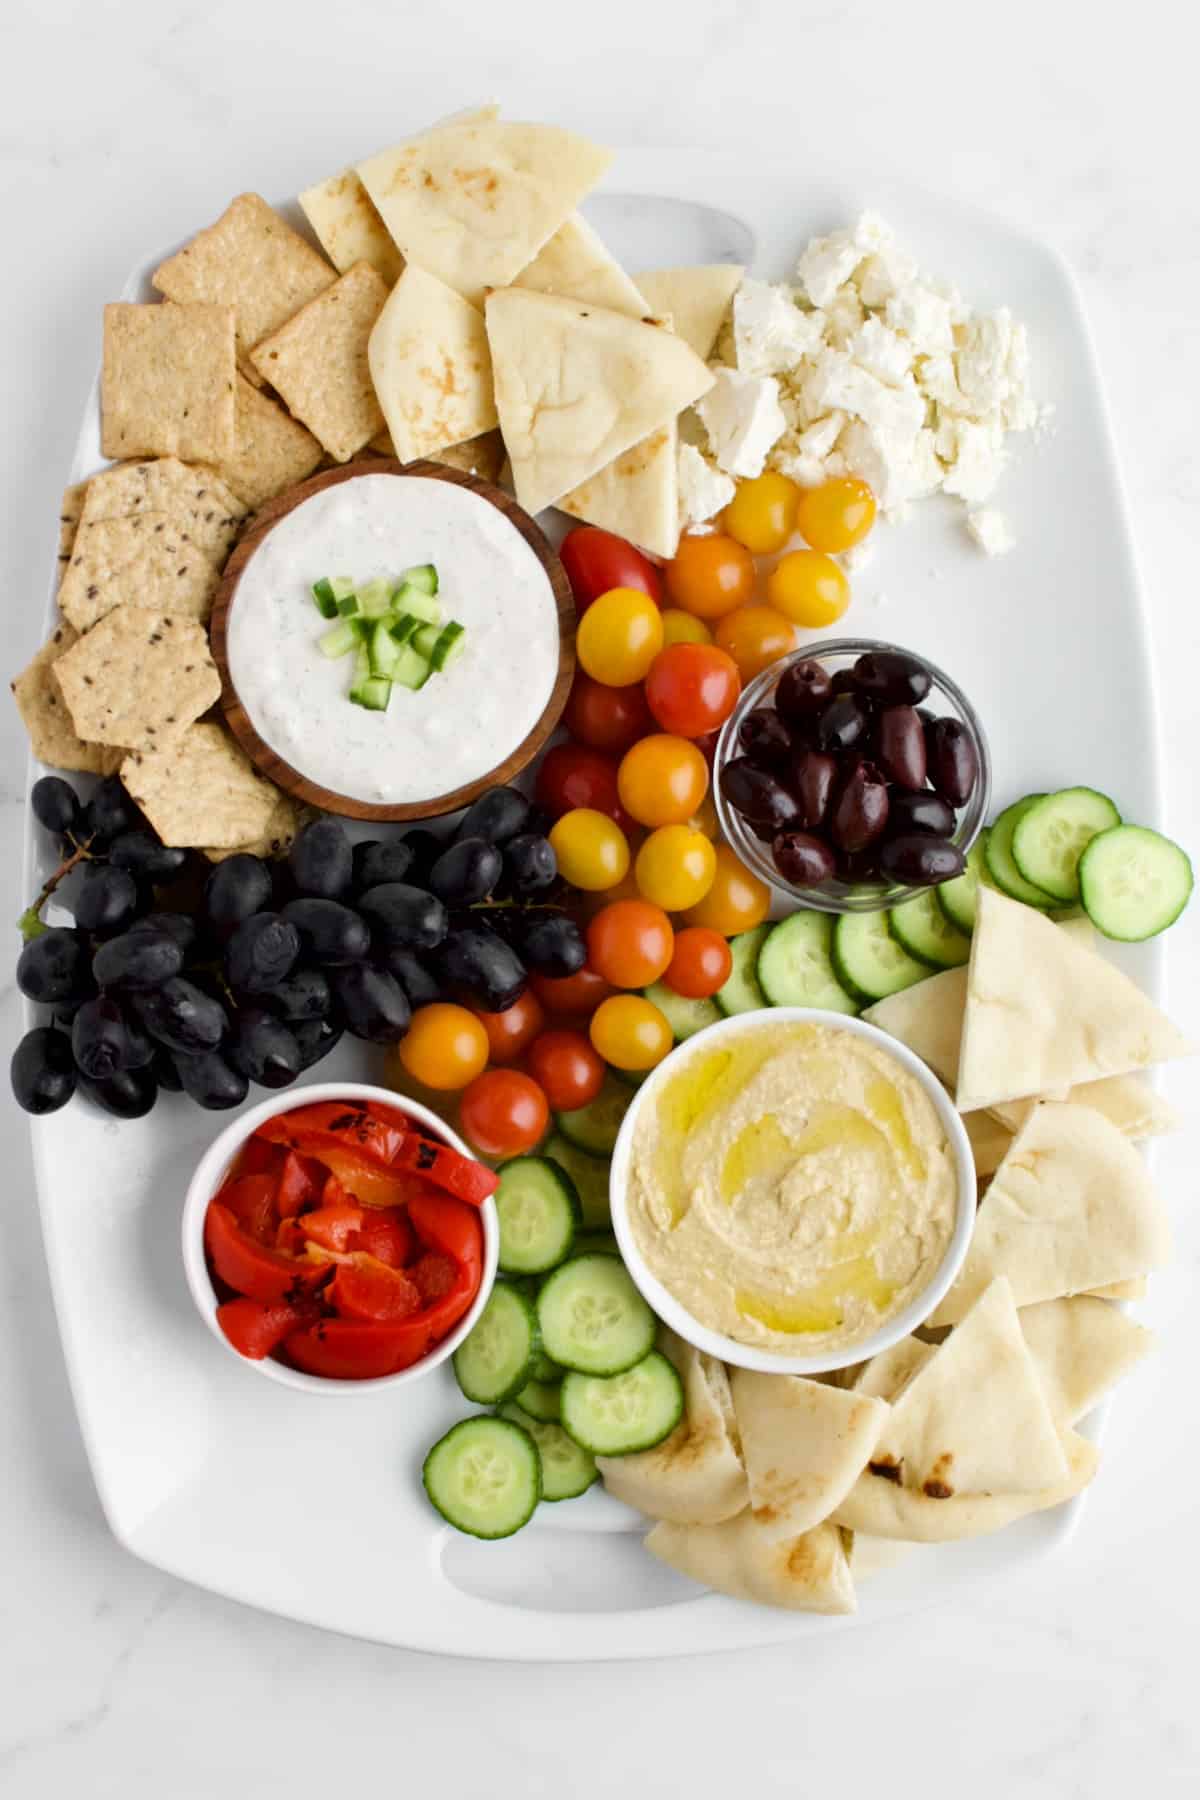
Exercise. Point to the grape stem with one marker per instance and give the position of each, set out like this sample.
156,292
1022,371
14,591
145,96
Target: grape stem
30,924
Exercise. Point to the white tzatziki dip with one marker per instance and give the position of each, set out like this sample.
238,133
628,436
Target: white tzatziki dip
468,717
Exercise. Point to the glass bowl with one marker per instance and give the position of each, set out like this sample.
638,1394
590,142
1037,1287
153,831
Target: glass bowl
945,698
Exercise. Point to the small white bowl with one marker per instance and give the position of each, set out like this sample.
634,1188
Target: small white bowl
728,1349
210,1173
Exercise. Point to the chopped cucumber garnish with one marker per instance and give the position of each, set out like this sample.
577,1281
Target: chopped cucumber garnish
339,640
424,577
396,628
450,645
410,598
425,637
412,670
373,694
347,606
384,651
374,599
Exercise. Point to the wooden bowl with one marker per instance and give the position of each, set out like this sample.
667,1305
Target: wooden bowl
269,763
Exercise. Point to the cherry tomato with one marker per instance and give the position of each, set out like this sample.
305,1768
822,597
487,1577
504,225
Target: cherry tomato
445,1046
511,1032
592,852
675,867
710,575
572,776
596,562
631,1033
837,515
762,514
567,1069
585,906
755,637
736,901
692,689
575,995
662,780
684,628
809,588
504,1113
701,963
630,943
705,818
606,718
619,636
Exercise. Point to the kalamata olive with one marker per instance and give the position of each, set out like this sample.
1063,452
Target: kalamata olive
953,760
900,746
842,724
910,812
764,738
804,688
844,682
757,794
803,860
920,860
811,778
856,866
892,677
859,813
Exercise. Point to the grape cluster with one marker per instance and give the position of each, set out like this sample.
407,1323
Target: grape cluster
203,985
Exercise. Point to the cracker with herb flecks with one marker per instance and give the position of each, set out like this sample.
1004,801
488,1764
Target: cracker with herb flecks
345,219
252,260
273,450
200,788
145,561
166,385
69,514
276,840
196,498
137,678
318,362
44,714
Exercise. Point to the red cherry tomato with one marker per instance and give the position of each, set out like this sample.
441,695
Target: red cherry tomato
596,561
504,1113
692,689
572,776
606,718
567,1069
511,1032
576,995
701,962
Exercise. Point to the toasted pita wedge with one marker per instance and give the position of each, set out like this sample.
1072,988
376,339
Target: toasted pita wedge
888,1374
989,1141
1136,1288
747,1561
636,495
575,264
695,1476
1082,1347
804,1444
429,362
697,299
577,385
1127,1101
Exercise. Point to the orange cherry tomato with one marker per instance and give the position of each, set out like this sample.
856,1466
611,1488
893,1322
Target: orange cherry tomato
809,588
710,575
592,852
837,515
762,514
631,1033
504,1113
511,1032
630,943
567,1069
662,780
692,689
572,995
683,628
619,636
445,1046
755,637
736,901
701,963
606,718
675,867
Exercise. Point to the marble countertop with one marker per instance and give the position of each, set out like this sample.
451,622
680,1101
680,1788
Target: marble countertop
1075,1677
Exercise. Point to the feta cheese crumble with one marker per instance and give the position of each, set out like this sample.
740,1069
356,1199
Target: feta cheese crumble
743,418
703,490
991,531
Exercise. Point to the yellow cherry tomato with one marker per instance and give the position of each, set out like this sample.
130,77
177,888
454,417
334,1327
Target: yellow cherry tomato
675,867
809,588
762,514
736,901
705,819
619,636
629,1032
445,1047
592,850
588,905
755,637
662,780
683,628
710,575
837,515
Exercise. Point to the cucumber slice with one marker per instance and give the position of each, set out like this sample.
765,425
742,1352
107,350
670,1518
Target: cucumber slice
539,1212
869,960
451,643
594,1127
373,693
412,670
741,992
541,1399
998,857
568,1470
339,640
484,1477
499,1353
589,1175
1051,835
328,591
1134,882
374,599
597,1243
347,605
592,1317
409,598
921,927
620,1414
545,1370
685,1017
796,968
424,578
959,899
383,651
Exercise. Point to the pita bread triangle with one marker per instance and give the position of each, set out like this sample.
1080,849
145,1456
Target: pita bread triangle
636,495
928,1017
1082,1347
1042,1013
576,264
429,363
806,1573
697,299
1127,1101
804,1444
695,1476
1070,1208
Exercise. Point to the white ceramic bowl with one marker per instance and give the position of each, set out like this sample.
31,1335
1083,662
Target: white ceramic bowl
210,1173
745,1356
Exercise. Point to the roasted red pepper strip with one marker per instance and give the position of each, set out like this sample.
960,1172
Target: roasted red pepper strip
385,1233
350,1350
299,1184
450,1226
365,1181
332,1125
256,1157
248,1266
332,1227
435,1275
364,1288
256,1327
455,1174
251,1200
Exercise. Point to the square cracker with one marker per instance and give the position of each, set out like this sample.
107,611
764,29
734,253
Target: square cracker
344,217
199,788
273,450
137,677
144,560
318,362
166,386
197,500
276,840
252,260
45,716
68,521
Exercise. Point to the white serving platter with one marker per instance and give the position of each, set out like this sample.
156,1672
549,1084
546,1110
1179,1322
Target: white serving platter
205,1470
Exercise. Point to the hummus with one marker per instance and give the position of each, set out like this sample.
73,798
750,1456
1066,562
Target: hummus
792,1187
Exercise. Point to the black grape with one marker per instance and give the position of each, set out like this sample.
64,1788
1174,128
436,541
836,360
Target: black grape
165,1072
418,982
372,1003
56,806
183,1017
142,958
304,994
173,925
100,1042
43,1070
105,899
377,861
237,887
109,812
330,933
316,1038
321,860
497,816
55,968
530,865
424,848
475,962
261,951
467,872
264,1049
129,1094
141,853
552,944
405,916
211,1081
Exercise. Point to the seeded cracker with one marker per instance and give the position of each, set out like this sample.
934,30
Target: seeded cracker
138,677
196,498
276,840
166,385
144,560
273,451
47,720
318,363
200,788
68,521
252,260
